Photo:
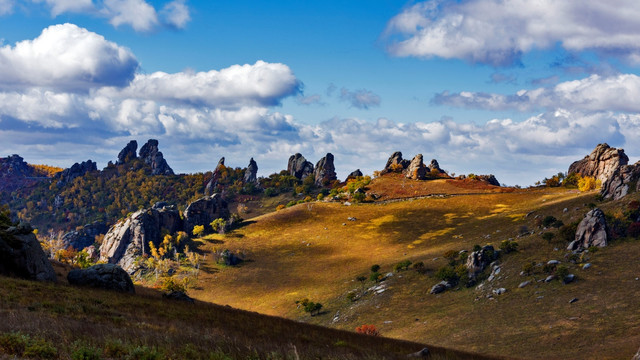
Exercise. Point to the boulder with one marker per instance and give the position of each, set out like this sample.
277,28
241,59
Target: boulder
568,279
21,255
150,154
499,291
490,179
102,276
179,296
416,169
299,167
203,211
621,182
601,163
251,174
355,174
477,261
129,238
325,171
128,153
524,284
592,231
76,170
80,239
213,182
394,160
434,166
420,354
228,258
440,287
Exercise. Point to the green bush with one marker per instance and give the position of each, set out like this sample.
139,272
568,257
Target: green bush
447,273
143,353
529,268
375,276
403,265
375,268
548,268
352,296
548,236
85,352
567,233
561,272
508,246
548,221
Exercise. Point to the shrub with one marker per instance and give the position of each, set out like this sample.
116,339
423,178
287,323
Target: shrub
548,236
270,192
198,230
561,272
359,197
375,276
447,273
419,266
397,168
508,246
352,296
171,284
320,197
41,349
291,203
548,268
375,268
403,265
219,225
144,353
312,308
571,181
529,268
280,207
586,183
548,221
361,278
368,330
567,233
85,352
477,247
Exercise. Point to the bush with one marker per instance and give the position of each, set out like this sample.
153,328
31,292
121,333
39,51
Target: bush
448,274
312,308
508,246
219,225
548,221
359,197
403,265
548,268
419,266
280,207
352,296
477,247
368,330
567,233
270,192
375,276
143,353
291,203
586,183
171,284
529,268
198,230
375,268
320,197
561,272
85,352
548,236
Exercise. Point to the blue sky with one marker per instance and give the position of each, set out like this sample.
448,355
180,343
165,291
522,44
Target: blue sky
515,88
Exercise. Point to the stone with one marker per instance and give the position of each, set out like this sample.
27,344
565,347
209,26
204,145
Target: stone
354,174
394,160
499,291
550,278
76,170
228,258
150,154
477,261
553,262
129,238
178,296
586,266
416,169
568,279
524,284
102,276
15,165
440,287
325,171
489,179
592,231
620,183
128,153
203,211
420,354
22,256
601,163
80,239
435,167
299,167
213,182
573,300
251,174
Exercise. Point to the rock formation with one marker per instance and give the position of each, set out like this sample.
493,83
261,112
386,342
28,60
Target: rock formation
394,160
490,179
15,165
150,154
299,167
434,166
251,174
203,211
354,175
325,171
416,169
213,182
601,163
76,170
102,276
477,261
592,231
128,153
21,254
80,239
621,182
129,238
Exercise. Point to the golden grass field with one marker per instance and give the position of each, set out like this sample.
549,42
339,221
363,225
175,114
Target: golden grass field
312,251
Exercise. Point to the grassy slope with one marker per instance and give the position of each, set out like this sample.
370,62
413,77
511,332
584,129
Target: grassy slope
313,251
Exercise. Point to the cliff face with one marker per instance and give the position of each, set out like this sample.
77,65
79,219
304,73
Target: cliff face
601,163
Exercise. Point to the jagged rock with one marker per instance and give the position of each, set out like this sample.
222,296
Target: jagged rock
416,169
76,170
228,258
251,174
128,153
488,179
129,238
15,165
618,184
299,167
325,171
102,276
434,166
179,296
203,211
213,182
86,236
420,354
21,255
477,261
355,174
150,154
395,159
592,231
601,163
440,287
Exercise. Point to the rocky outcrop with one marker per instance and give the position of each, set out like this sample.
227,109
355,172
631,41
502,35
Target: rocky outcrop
392,163
592,231
150,154
355,174
325,171
76,170
21,255
80,239
129,238
228,258
621,182
416,169
434,166
251,174
203,211
299,167
213,182
102,276
128,153
489,179
601,163
478,260
15,165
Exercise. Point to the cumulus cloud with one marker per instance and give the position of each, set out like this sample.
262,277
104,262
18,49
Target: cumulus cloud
176,14
498,32
62,6
594,93
137,13
66,57
361,99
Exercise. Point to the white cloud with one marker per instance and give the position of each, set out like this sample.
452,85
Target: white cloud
65,57
593,93
176,14
497,32
136,13
361,99
6,6
62,6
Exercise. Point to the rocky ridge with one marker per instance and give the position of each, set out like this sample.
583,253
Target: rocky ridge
150,154
601,163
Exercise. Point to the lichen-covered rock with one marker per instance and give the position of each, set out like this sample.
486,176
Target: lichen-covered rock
150,154
251,174
601,163
128,153
416,169
21,255
478,260
325,171
129,238
204,210
592,231
299,167
621,182
102,276
394,160
76,170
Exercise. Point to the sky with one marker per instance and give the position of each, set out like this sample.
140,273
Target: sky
515,88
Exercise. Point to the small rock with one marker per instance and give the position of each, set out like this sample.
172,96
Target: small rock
346,203
178,295
344,224
586,266
553,262
524,283
573,300
550,278
387,322
352,219
420,354
499,291
569,279
540,297
565,210
440,287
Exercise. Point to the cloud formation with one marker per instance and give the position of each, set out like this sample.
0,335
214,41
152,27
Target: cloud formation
176,14
361,99
498,32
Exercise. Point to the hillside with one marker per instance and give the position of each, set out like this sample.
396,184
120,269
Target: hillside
313,251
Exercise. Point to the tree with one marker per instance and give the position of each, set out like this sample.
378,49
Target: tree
198,230
219,225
